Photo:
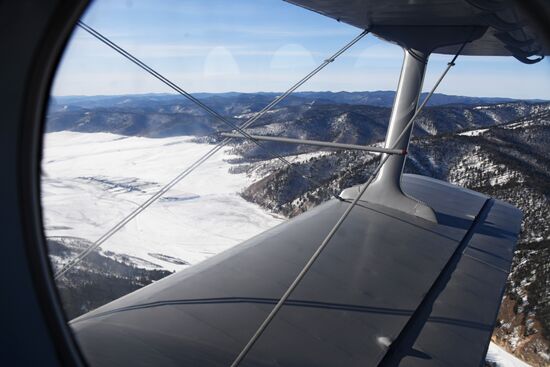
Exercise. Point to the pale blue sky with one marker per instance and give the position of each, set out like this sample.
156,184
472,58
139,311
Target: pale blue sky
258,45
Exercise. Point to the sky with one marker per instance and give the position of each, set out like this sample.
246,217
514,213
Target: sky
259,45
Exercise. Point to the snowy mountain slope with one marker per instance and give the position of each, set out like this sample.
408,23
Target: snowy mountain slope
99,278
498,357
91,181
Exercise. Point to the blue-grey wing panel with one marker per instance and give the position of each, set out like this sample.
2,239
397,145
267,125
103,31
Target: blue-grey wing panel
358,297
504,30
466,305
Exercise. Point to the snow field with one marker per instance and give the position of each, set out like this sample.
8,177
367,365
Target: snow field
93,180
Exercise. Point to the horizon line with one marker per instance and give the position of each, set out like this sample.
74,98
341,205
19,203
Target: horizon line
273,92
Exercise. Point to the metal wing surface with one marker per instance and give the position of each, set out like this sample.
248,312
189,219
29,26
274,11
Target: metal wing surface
390,289
500,27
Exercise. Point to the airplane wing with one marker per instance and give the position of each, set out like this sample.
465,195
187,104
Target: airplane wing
503,29
390,289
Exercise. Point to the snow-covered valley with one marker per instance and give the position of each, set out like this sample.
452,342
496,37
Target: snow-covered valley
93,180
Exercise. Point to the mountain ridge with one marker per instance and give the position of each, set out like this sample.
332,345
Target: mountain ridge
375,98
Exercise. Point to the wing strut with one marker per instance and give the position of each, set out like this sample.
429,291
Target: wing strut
323,245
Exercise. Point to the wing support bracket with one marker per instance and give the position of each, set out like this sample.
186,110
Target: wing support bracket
386,188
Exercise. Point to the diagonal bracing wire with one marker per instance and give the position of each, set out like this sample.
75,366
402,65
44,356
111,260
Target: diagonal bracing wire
338,224
118,226
209,110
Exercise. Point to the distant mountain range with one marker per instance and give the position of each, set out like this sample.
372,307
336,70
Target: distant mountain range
371,98
356,117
